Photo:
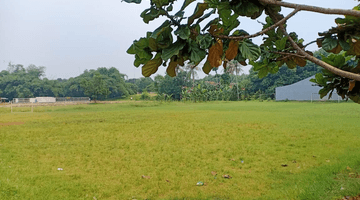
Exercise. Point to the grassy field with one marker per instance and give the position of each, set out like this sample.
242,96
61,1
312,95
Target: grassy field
151,150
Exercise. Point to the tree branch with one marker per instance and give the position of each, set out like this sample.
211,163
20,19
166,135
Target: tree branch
287,54
283,20
313,8
313,59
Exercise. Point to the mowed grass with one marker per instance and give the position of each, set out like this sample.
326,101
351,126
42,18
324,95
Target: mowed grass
272,150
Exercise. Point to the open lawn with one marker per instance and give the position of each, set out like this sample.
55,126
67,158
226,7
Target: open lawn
151,150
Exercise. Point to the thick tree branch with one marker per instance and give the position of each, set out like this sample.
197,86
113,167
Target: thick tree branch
313,8
283,20
313,59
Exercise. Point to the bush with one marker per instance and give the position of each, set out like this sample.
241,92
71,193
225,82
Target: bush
145,96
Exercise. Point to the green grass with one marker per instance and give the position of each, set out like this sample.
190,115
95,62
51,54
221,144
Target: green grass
104,149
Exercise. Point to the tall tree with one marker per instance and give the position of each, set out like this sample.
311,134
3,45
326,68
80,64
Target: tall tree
222,41
95,86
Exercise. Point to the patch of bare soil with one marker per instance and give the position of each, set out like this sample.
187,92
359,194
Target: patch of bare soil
351,198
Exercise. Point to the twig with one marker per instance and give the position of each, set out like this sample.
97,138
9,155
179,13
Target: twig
171,18
287,54
283,20
313,8
309,44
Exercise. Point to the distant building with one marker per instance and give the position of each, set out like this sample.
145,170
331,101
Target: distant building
3,100
302,91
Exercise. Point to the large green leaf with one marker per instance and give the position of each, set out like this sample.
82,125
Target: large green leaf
160,29
249,9
344,45
320,79
152,66
329,43
204,41
151,14
197,54
140,61
183,32
172,49
323,92
280,44
229,21
249,50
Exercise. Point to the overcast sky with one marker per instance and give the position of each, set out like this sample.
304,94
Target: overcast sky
69,36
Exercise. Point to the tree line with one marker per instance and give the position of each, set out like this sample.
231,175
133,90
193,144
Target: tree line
108,83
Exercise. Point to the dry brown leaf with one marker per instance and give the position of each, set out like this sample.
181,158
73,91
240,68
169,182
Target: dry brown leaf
232,51
337,49
214,173
145,177
226,176
355,48
167,181
232,159
351,85
215,54
284,165
225,64
171,68
300,61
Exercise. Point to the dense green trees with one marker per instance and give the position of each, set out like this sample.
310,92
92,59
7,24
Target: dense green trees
21,82
103,83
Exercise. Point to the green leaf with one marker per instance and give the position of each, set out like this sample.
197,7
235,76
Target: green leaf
140,61
329,43
323,92
263,72
207,67
313,80
248,9
172,49
273,67
249,50
132,1
151,14
197,54
152,66
344,45
280,44
183,32
161,29
170,8
131,49
204,41
320,79
240,32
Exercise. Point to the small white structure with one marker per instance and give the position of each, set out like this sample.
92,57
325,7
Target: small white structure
45,99
32,100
